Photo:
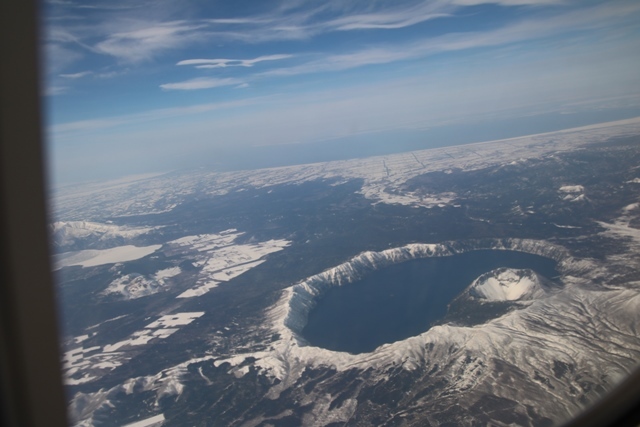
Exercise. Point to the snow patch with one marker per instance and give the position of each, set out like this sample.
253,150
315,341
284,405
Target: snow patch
167,273
198,290
565,226
572,193
133,286
323,414
622,228
95,257
80,367
80,338
219,259
571,189
156,421
177,319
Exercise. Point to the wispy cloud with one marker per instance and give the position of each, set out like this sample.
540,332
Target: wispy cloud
526,30
222,63
201,83
390,18
302,20
79,75
134,39
147,40
299,20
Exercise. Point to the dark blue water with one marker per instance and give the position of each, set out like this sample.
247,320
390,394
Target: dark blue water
405,299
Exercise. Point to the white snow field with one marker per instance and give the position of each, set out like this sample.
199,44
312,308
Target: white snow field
95,257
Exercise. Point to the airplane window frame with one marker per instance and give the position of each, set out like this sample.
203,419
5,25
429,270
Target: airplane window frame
32,392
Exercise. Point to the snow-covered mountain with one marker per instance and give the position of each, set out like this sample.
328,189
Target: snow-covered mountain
507,284
78,235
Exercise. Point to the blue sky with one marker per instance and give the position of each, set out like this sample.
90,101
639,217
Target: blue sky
149,86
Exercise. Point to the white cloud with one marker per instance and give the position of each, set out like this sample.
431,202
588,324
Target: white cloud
76,75
147,40
222,63
200,83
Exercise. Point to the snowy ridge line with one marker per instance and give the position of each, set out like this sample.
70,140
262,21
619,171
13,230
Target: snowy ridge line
86,227
78,229
303,296
82,235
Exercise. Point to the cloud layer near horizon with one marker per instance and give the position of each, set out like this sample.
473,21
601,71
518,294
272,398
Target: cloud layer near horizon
116,68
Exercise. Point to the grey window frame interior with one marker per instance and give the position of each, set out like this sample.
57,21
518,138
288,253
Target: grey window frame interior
32,393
